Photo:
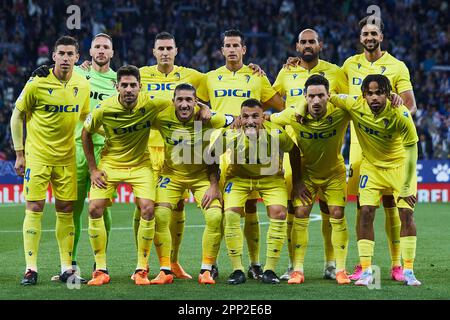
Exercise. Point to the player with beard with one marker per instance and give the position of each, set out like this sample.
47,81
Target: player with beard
375,61
290,83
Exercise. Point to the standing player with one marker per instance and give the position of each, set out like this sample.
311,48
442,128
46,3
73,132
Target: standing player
290,83
256,165
375,61
102,80
160,80
185,168
126,120
319,137
52,107
388,141
226,88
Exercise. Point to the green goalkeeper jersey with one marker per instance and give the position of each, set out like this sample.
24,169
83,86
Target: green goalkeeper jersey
103,86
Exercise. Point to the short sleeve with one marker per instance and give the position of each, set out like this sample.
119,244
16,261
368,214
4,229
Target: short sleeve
94,120
267,92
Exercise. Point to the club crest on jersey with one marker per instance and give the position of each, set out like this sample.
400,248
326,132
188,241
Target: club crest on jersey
247,77
177,75
386,123
75,91
142,110
114,83
322,73
219,77
115,115
50,91
359,65
330,119
383,69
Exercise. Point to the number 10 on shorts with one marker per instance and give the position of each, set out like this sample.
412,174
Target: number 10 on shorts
363,181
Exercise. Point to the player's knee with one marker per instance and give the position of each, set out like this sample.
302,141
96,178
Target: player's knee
277,212
366,220
96,210
250,206
64,206
35,206
213,219
301,212
337,212
147,212
388,201
406,217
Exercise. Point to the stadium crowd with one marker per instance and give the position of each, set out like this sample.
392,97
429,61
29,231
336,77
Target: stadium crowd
417,32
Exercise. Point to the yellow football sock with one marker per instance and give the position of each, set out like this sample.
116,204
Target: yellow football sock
98,238
300,237
234,238
65,231
136,222
163,238
392,226
339,238
408,245
365,249
290,223
252,235
146,233
211,235
275,240
326,236
31,237
177,221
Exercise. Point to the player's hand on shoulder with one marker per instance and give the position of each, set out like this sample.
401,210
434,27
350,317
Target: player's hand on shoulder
291,62
86,65
257,69
42,71
396,100
98,179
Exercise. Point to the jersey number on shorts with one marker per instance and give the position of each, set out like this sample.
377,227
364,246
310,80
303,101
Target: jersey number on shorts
228,187
363,181
27,174
163,182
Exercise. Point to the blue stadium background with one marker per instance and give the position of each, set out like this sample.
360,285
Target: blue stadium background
417,32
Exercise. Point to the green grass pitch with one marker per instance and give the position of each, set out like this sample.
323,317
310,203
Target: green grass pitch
431,267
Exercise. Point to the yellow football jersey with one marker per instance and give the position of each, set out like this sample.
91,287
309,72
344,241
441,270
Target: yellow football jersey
226,90
357,67
382,137
256,158
320,141
291,83
53,109
186,142
126,131
163,85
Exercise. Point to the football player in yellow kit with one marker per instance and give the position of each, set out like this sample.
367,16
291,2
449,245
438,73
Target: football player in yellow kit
375,61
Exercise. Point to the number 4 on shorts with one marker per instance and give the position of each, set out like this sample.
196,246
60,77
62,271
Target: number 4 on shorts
228,187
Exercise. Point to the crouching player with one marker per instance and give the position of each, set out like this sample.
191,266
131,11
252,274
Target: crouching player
256,165
388,139
185,168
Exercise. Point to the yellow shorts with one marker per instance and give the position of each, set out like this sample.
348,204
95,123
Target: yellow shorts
355,164
223,166
375,182
140,178
332,191
170,188
272,190
63,180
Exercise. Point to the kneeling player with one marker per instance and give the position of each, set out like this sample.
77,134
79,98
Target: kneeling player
126,120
